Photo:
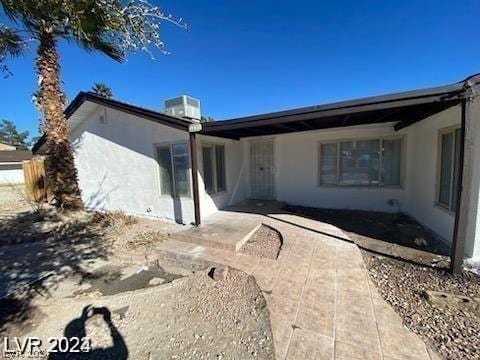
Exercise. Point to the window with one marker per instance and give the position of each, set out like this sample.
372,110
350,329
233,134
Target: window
173,160
369,163
208,169
214,168
449,168
220,167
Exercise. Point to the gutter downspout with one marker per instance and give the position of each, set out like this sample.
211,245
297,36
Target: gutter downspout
192,130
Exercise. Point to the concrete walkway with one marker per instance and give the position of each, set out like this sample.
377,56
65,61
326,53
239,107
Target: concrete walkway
322,304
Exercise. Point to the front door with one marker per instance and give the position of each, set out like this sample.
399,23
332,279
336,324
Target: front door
262,170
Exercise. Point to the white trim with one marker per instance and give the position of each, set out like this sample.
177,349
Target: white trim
11,163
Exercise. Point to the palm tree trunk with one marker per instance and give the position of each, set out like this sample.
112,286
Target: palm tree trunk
61,170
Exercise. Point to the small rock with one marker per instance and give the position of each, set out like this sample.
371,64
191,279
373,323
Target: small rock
156,281
218,273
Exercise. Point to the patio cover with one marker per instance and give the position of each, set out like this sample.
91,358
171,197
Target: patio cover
404,108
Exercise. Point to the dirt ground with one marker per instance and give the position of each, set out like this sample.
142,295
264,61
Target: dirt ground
12,199
57,278
193,317
264,243
453,328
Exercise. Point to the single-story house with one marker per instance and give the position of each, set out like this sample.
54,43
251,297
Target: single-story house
417,151
11,164
6,147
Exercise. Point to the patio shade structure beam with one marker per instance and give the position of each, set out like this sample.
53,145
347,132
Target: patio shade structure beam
458,243
331,119
414,106
465,180
194,163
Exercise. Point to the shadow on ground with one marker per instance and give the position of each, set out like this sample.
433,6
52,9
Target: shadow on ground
393,235
29,255
76,329
394,228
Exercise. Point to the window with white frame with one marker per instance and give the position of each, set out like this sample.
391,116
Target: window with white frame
214,168
369,163
173,160
449,167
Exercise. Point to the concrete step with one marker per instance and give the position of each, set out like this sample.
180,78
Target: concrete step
223,230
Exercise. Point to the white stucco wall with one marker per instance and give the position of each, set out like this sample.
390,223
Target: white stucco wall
296,177
14,176
296,171
422,177
117,165
118,170
235,172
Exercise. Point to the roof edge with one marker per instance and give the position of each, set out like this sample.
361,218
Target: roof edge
149,114
377,99
83,96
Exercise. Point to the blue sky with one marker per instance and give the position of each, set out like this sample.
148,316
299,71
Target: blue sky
249,57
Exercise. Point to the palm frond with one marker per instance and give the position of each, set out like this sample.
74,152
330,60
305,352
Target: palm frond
102,90
11,43
92,43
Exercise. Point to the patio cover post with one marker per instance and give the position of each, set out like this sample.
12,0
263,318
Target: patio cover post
196,197
465,180
461,212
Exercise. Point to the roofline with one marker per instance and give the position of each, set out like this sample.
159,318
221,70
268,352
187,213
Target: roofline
42,140
435,93
444,93
14,156
178,123
158,117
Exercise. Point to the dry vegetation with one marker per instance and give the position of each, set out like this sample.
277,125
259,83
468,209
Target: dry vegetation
129,233
115,220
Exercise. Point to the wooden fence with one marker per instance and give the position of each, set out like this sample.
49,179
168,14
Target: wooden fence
36,183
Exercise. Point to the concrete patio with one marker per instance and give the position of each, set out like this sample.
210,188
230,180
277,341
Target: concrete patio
322,304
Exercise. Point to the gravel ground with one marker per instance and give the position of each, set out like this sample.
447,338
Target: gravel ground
264,243
197,318
454,332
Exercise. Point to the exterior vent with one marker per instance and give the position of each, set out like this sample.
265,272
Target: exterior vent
183,106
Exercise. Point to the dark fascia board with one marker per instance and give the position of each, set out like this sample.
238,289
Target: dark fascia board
39,144
408,98
177,123
330,112
155,116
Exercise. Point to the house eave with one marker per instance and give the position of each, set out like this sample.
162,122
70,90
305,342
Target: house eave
155,116
413,105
